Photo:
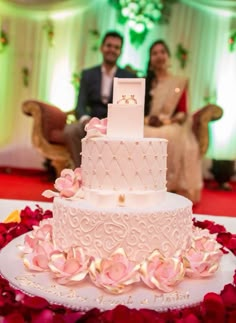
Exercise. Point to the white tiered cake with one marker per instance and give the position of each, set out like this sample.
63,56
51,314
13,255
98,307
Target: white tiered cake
125,201
115,228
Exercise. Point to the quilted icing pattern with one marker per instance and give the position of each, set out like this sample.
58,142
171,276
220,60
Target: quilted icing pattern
113,164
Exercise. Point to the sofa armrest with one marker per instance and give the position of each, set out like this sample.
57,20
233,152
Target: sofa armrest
49,120
35,109
201,119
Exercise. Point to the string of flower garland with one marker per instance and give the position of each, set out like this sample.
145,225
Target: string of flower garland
15,306
232,41
182,55
50,33
3,40
25,76
95,34
75,81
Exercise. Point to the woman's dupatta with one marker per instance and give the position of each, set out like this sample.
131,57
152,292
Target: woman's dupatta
166,95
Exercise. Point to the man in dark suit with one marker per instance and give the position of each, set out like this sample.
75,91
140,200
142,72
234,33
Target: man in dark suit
95,92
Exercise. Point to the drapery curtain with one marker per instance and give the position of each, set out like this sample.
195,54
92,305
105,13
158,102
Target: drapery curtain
200,26
50,68
219,6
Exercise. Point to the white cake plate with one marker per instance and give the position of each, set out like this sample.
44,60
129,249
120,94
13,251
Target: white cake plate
85,296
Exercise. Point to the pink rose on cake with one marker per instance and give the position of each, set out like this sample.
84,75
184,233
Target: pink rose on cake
162,273
96,127
69,182
69,185
38,259
43,231
38,247
114,273
69,267
206,243
39,234
200,233
203,258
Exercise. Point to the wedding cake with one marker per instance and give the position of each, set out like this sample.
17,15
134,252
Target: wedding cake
113,221
125,202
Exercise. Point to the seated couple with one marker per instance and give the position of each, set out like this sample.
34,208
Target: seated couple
165,110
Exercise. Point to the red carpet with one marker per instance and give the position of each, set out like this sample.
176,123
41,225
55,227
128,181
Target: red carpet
23,184
29,185
217,202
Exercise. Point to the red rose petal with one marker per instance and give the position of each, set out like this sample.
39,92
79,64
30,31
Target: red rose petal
72,317
153,316
44,316
231,317
228,295
213,307
14,317
35,302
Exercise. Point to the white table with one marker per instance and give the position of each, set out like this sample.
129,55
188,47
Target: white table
7,206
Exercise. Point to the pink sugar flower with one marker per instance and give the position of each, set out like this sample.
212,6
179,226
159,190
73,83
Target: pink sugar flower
162,273
69,267
40,233
203,258
96,127
114,274
201,264
38,246
68,184
205,243
44,230
199,233
29,245
38,260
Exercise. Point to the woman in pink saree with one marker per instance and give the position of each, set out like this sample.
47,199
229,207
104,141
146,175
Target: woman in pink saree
166,117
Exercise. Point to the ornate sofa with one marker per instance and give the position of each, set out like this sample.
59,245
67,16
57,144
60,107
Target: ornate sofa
49,121
47,132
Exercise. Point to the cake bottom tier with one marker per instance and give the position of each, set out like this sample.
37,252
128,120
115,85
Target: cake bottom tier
101,231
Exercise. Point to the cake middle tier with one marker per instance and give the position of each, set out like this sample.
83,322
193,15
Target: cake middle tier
126,168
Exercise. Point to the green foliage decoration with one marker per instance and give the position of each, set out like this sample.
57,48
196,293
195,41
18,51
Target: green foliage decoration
142,15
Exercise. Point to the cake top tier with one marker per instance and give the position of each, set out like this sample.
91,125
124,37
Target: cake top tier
126,114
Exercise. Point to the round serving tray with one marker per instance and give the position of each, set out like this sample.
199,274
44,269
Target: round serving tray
84,295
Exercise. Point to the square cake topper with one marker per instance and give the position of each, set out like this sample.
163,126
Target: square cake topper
129,91
126,113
